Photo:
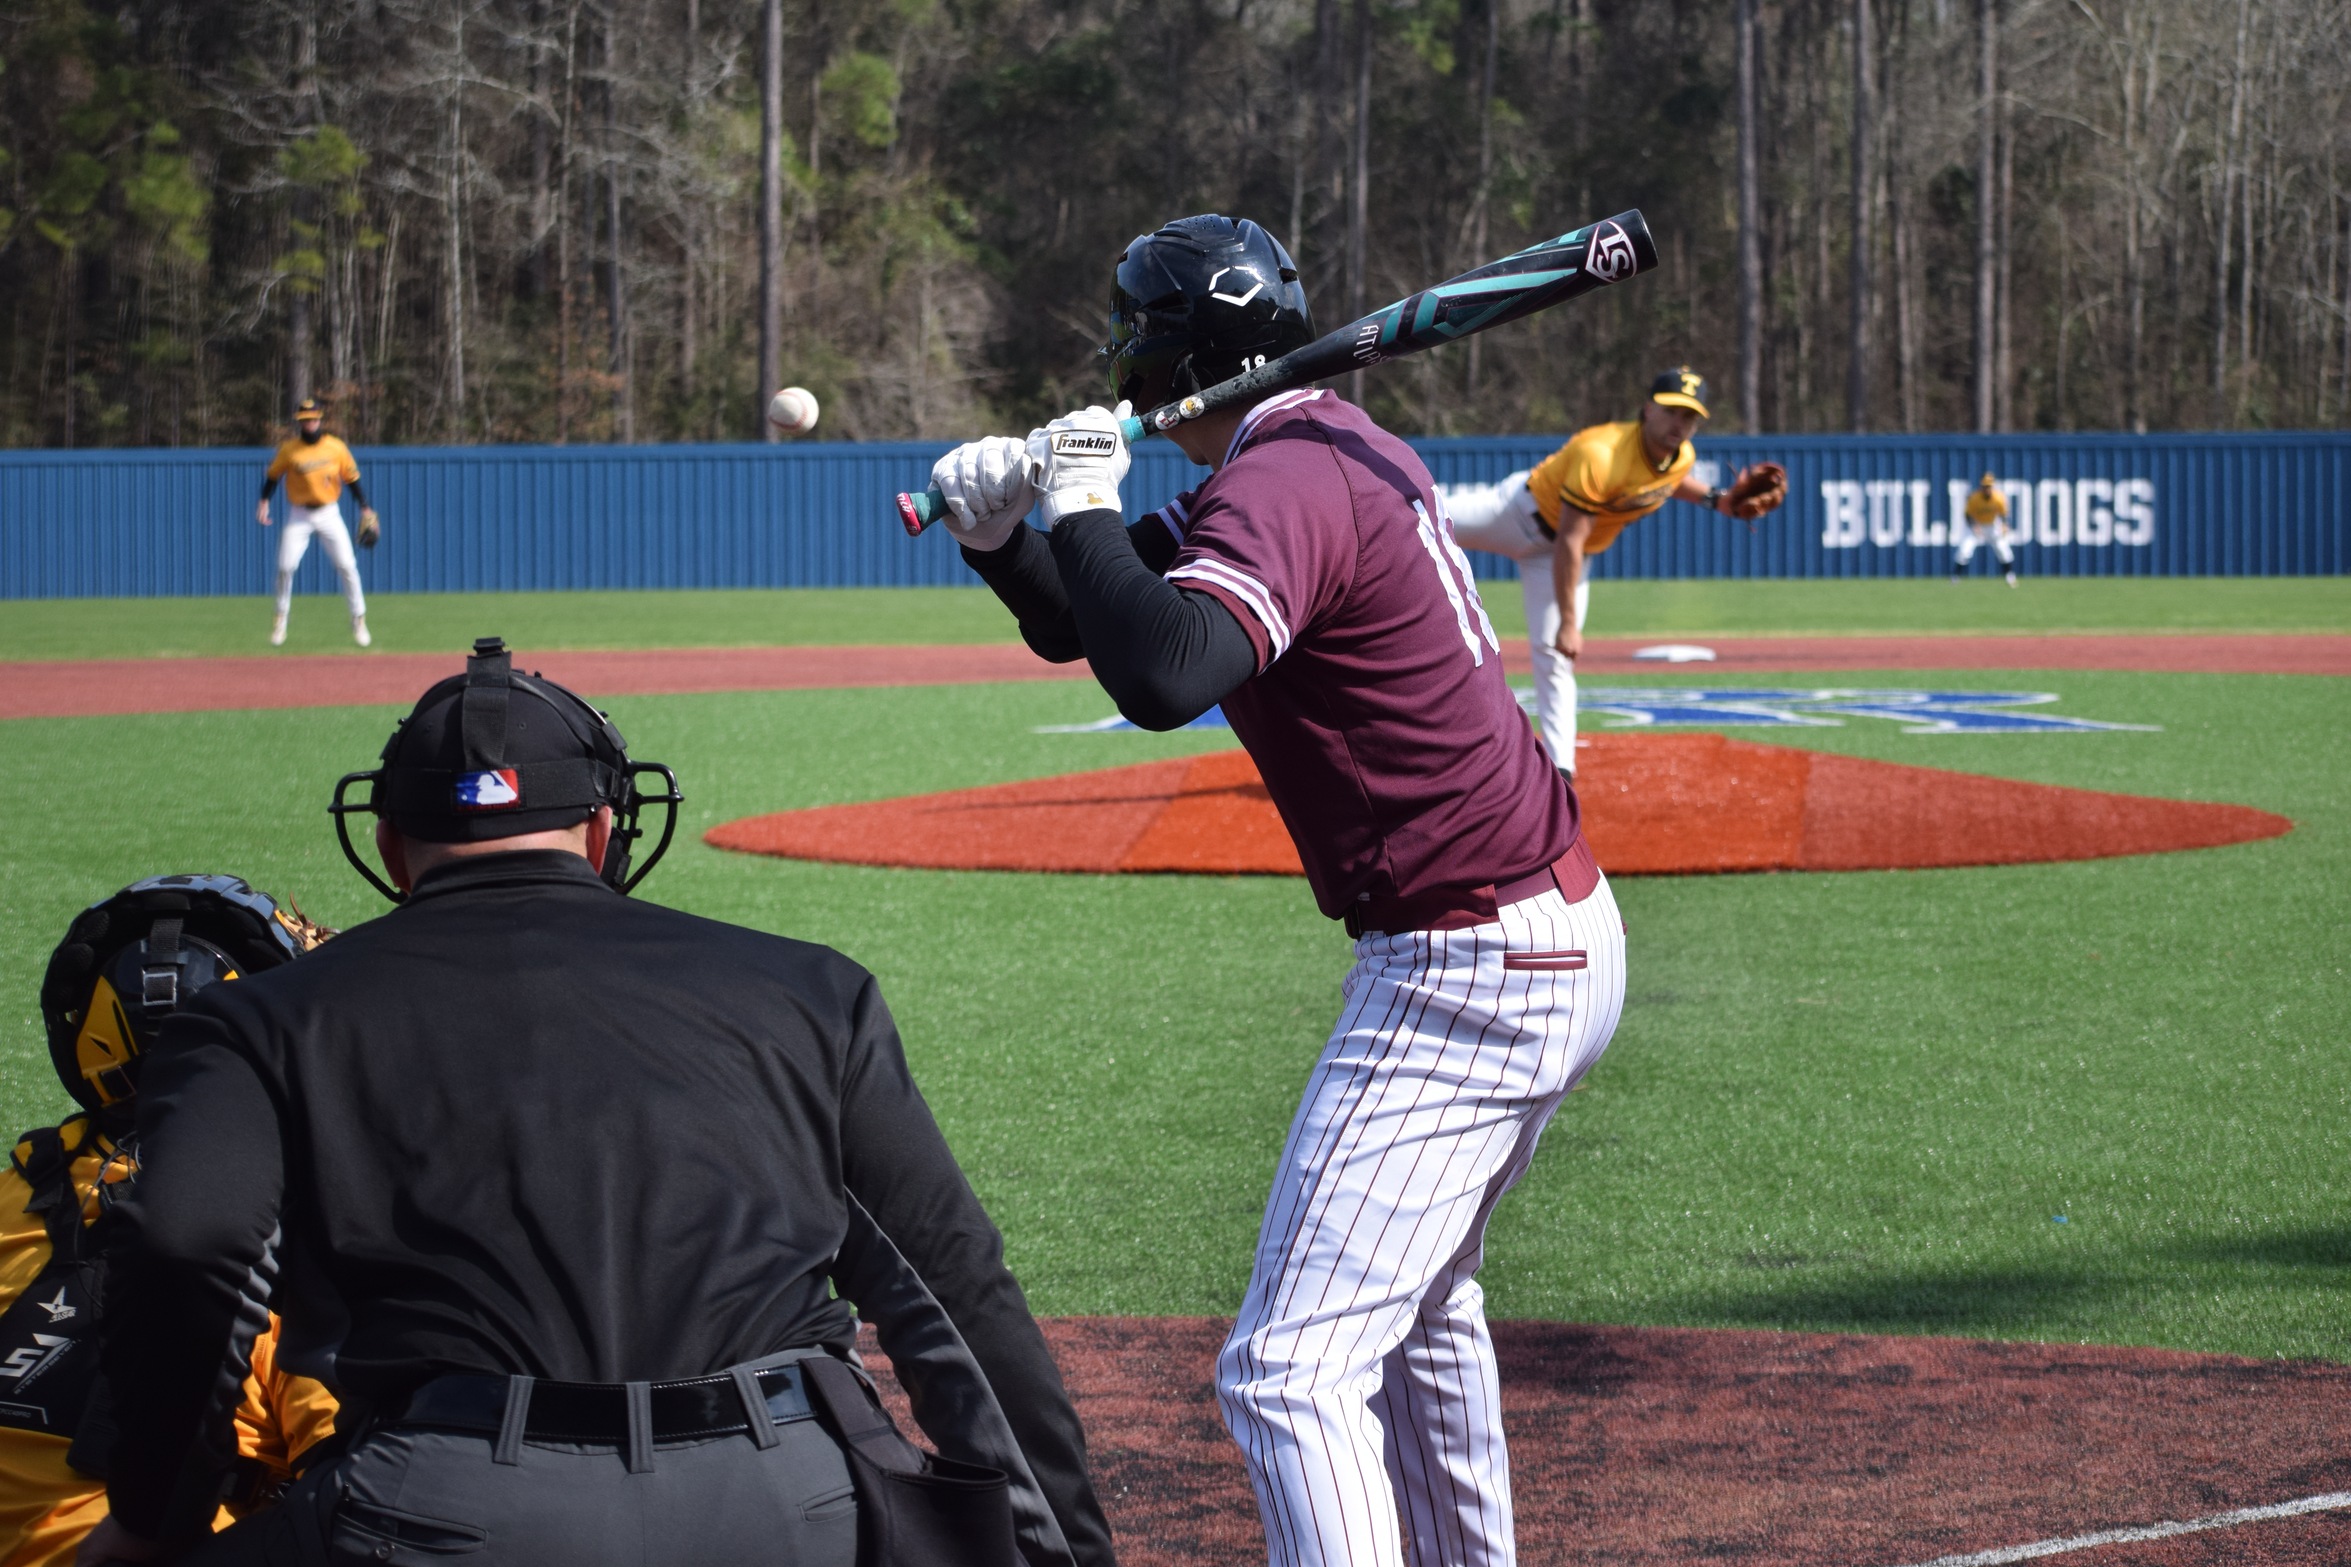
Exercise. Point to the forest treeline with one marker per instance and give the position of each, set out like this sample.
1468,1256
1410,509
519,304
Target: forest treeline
601,220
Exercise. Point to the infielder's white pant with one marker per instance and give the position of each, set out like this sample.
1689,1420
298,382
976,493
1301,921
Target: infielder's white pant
1359,1379
1975,539
294,543
1501,519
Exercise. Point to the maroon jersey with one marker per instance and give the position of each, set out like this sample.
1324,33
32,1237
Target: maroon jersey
1378,715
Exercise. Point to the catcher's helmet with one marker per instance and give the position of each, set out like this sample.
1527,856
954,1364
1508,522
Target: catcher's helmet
131,960
1198,302
495,754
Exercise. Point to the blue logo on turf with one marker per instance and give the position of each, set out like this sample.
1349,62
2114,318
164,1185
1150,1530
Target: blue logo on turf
1919,712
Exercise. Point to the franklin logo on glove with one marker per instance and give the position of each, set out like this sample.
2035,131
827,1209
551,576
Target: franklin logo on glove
1084,443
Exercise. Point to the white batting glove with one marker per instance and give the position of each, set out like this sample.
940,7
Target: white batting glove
989,487
1079,460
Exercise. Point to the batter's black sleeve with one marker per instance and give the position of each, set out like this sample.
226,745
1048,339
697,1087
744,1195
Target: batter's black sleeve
269,487
1023,575
1165,654
190,1272
359,494
896,1163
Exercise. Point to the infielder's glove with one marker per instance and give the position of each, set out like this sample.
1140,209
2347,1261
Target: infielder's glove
1757,490
371,528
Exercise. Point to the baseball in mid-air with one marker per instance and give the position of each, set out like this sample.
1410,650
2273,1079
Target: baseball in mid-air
793,409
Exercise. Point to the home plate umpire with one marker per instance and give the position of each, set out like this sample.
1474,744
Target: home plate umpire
554,1189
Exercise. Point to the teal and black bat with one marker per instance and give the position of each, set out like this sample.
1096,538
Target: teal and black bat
1511,289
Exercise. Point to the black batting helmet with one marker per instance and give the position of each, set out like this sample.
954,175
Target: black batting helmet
494,753
1198,302
129,961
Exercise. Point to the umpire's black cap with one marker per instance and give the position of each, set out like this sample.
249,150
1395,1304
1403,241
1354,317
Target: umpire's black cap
493,753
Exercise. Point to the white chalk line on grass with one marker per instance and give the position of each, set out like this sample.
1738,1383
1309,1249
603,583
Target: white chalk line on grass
2330,1501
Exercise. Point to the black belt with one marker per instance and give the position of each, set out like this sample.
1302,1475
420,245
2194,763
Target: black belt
598,1412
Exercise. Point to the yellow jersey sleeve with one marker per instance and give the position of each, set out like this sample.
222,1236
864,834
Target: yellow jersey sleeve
1983,510
315,472
283,462
281,1416
45,1506
1605,473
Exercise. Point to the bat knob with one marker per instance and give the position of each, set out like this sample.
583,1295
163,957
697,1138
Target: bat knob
915,513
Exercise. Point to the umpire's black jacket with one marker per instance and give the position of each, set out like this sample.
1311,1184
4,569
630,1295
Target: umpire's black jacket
524,1125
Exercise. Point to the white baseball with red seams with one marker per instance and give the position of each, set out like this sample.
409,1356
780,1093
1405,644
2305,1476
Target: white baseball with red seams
794,409
1359,1379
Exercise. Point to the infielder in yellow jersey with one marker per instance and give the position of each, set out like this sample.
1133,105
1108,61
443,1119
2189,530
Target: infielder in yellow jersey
316,466
1987,523
1573,505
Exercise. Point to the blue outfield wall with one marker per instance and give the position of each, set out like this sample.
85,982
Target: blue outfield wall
171,523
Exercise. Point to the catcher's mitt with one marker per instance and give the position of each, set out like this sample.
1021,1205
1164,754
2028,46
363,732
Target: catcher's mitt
308,933
371,528
1757,490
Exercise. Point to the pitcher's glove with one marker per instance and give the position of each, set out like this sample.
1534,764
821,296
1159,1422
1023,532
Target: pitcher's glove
371,528
1762,488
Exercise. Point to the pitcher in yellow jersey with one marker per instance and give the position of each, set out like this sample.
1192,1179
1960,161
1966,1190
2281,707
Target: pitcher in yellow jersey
1573,504
315,466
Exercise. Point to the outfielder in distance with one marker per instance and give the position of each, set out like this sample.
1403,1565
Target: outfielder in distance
1310,586
1574,503
1987,523
316,466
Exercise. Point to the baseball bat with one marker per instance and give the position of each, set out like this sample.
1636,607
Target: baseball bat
1479,300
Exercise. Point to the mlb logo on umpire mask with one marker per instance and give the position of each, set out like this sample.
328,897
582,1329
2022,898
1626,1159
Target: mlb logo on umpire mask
497,790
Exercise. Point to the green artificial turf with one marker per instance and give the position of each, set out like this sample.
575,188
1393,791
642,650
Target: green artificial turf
440,622
1838,1102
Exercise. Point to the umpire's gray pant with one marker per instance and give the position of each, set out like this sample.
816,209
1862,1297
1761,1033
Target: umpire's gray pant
415,1496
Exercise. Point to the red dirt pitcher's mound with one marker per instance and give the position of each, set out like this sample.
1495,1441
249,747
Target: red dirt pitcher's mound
1653,805
1685,1446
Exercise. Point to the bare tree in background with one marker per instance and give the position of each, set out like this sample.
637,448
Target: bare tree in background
1359,184
1864,189
1987,258
771,211
1750,196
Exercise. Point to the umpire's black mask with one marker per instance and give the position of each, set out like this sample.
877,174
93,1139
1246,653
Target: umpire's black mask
492,754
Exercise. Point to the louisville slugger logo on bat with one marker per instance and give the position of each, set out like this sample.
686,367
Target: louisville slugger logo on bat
1612,254
1479,300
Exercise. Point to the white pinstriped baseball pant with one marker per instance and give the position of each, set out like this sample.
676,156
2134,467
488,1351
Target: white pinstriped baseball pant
1359,1379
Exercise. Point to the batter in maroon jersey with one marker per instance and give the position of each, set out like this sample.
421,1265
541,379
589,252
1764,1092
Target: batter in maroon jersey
1312,586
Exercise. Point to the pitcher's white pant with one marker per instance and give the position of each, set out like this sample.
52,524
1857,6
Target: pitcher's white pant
1975,539
294,543
1501,519
1359,1379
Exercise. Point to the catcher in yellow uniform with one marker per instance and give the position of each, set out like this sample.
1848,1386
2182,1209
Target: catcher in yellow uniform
1987,523
1574,504
316,466
125,964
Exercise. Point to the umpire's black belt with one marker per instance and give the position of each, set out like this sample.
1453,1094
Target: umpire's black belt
599,1412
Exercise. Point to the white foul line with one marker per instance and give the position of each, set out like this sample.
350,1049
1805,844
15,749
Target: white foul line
2328,1502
